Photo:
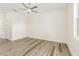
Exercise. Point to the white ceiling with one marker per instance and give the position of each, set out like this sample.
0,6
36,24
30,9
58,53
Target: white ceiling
42,7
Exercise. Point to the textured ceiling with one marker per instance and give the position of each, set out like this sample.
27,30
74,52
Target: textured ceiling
42,7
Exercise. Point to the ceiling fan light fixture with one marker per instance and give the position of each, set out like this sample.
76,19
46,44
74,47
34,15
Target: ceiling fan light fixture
29,10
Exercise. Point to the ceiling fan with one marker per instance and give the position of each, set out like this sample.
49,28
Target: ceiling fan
27,8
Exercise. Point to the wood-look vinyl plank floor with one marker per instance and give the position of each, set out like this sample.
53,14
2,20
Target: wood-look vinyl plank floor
37,48
33,47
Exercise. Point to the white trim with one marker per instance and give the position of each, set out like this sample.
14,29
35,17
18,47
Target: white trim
75,20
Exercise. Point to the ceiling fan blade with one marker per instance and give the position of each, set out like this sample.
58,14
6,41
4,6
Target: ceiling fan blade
34,11
34,7
24,5
21,9
29,4
18,9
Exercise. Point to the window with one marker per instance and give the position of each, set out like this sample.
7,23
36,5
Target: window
76,21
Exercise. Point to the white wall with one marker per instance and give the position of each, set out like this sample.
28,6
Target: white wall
72,43
5,26
1,24
49,26
12,25
19,25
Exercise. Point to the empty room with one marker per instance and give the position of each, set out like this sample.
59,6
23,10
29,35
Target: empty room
39,29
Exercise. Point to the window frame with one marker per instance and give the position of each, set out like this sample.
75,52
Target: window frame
75,20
